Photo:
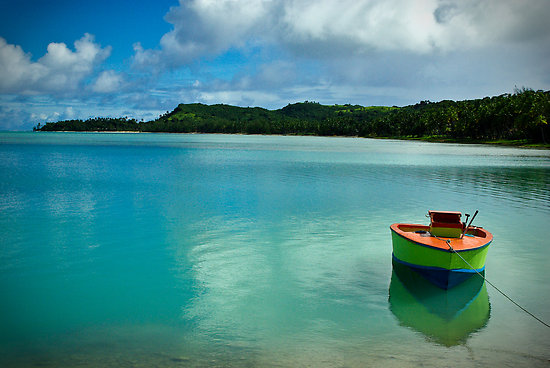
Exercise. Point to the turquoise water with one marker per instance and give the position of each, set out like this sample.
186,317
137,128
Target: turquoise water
141,250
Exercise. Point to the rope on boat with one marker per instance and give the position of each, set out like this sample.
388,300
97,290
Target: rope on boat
493,285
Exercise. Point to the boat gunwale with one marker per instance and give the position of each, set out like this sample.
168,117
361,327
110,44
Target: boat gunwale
395,228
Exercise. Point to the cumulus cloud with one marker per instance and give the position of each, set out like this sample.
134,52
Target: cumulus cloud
58,71
107,82
16,68
327,28
206,28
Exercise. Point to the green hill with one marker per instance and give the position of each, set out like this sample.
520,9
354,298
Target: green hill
522,117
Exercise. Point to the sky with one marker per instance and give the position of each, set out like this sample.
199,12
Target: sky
76,59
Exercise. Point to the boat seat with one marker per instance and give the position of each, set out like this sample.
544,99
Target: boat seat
446,224
446,230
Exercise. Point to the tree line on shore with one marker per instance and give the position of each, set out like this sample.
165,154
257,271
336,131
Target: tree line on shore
522,115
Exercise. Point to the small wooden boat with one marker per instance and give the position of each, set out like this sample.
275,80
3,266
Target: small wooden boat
446,252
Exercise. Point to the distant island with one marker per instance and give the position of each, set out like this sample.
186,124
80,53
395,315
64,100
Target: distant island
520,118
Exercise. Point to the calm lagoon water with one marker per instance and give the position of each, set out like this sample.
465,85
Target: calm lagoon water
143,250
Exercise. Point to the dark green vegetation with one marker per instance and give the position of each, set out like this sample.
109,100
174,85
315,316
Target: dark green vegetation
519,118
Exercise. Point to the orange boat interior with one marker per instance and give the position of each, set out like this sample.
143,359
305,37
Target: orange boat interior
445,226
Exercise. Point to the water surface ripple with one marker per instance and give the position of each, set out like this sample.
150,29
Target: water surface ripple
220,250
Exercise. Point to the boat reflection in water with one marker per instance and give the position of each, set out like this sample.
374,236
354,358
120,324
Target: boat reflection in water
447,317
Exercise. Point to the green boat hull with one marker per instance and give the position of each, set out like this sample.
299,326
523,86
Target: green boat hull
443,267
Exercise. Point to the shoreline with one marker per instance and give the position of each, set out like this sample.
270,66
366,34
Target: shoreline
501,142
504,143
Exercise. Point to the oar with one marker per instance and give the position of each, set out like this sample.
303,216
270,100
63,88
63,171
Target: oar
471,220
467,216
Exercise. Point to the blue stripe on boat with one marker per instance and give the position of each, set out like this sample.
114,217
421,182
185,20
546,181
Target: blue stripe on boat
442,277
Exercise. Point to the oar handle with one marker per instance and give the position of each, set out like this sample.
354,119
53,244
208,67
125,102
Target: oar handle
467,226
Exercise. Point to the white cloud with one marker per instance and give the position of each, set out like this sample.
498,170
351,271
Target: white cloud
363,26
206,28
58,71
107,82
69,113
16,68
327,28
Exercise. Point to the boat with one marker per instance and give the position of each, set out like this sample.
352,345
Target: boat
445,317
446,252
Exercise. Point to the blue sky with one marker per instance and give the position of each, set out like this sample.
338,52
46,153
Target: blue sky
64,59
